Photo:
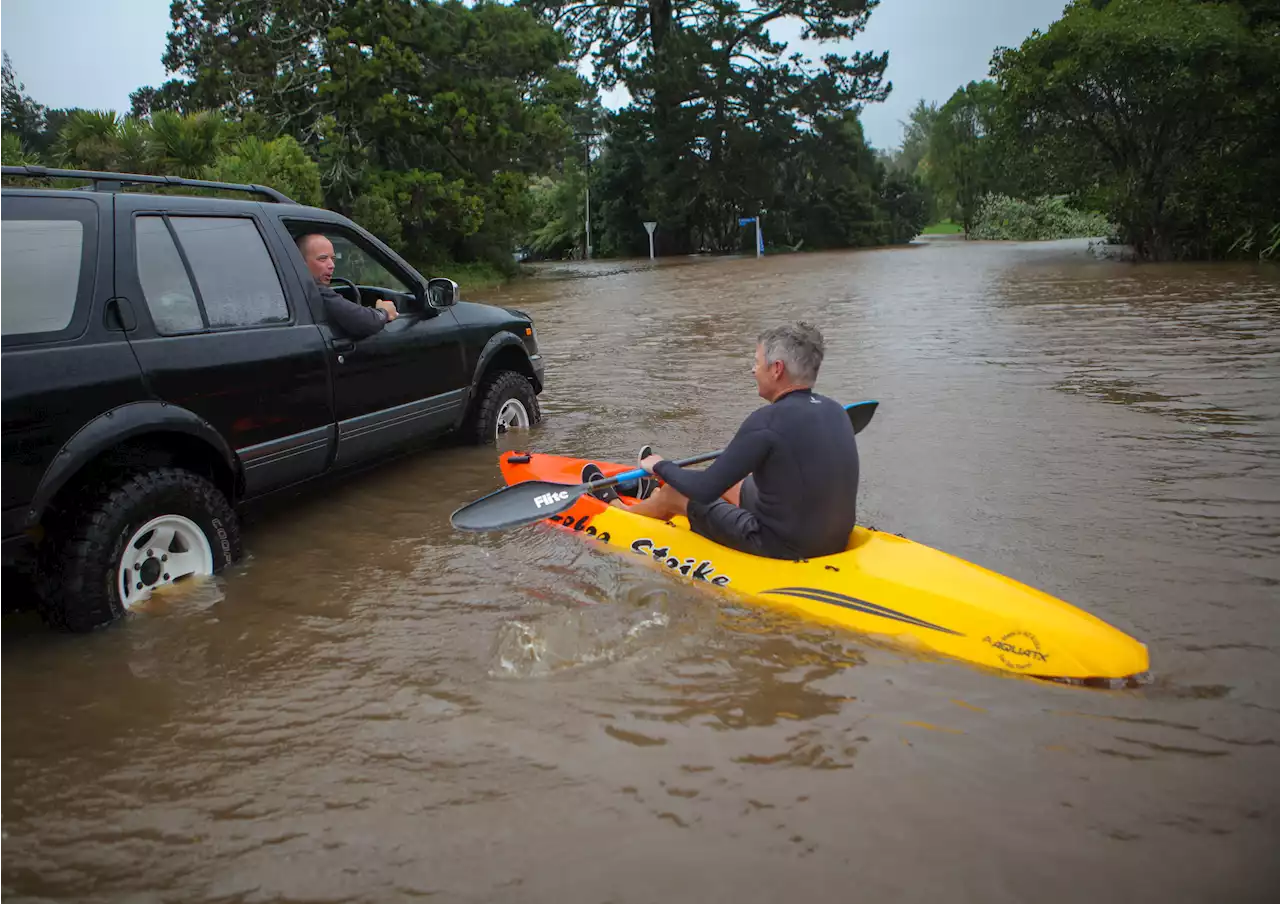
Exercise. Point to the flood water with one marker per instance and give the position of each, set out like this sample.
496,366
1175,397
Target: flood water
375,708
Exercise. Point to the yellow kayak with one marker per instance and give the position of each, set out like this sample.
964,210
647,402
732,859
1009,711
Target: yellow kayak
882,585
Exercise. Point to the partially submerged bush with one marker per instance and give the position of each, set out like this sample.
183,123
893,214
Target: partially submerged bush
1011,219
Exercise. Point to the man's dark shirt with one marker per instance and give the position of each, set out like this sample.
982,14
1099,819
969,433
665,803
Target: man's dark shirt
804,458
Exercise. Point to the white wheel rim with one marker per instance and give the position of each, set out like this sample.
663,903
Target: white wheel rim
512,415
161,552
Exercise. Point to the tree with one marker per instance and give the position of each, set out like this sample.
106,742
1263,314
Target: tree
281,164
1164,111
237,56
559,214
916,132
186,145
14,153
963,162
833,181
717,102
426,118
908,205
22,116
89,140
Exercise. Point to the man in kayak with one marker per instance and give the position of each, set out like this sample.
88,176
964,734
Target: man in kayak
786,487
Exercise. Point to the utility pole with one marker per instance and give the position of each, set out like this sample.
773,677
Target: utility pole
590,132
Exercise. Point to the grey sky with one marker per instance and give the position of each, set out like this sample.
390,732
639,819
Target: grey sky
93,53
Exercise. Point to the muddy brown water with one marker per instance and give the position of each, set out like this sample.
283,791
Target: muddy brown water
374,708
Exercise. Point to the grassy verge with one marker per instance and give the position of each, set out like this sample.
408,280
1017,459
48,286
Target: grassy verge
470,276
945,227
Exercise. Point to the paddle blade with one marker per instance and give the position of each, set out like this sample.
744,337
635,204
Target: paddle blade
860,414
512,506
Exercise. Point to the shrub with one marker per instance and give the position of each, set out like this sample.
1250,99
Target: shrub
1047,217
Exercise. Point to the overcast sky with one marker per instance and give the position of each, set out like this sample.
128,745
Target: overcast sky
93,53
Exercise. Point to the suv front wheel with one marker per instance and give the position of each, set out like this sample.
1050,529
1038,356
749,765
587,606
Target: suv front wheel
506,402
145,531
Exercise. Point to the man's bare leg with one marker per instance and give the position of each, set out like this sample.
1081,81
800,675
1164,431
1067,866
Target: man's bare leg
665,502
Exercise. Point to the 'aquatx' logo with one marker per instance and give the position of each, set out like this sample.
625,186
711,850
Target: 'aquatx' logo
1023,645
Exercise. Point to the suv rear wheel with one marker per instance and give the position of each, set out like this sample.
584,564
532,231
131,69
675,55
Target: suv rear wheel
506,402
145,531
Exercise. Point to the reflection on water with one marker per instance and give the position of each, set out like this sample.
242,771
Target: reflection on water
375,708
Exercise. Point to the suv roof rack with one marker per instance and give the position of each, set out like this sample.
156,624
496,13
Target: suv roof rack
112,182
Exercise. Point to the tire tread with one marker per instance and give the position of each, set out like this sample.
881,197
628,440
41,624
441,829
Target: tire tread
68,600
483,419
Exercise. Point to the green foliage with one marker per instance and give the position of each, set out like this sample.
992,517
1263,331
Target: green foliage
1002,217
720,113
281,164
378,215
427,118
89,140
169,143
559,210
13,153
964,160
910,159
907,203
22,116
833,183
459,130
1162,112
186,145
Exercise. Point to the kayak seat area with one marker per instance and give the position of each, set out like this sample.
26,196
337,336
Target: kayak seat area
860,537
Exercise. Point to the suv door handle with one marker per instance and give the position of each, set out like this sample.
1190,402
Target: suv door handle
118,315
342,345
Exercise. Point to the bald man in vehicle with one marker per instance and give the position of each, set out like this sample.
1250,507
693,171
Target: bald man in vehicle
355,320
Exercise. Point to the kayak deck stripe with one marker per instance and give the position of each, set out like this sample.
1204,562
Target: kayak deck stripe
851,602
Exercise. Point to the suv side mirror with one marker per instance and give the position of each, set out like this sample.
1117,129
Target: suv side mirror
442,292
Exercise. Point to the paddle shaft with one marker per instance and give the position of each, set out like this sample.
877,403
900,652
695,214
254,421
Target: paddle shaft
859,415
526,502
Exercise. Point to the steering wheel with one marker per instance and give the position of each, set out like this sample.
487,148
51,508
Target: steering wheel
354,287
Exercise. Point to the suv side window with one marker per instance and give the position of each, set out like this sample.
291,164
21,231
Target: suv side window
49,249
353,258
165,284
217,275
359,265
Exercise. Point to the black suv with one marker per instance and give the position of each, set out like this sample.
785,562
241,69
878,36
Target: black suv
166,357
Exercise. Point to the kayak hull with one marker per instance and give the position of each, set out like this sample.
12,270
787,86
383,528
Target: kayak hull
881,585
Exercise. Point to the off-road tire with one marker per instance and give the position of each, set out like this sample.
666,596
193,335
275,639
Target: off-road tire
80,568
480,427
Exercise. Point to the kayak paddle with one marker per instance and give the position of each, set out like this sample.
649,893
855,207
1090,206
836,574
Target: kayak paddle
534,500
